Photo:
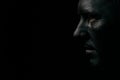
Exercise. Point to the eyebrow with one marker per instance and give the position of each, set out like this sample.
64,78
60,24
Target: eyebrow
88,13
85,11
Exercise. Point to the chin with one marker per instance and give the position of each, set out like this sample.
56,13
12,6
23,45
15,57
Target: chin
95,62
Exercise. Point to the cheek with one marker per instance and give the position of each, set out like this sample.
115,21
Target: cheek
98,25
97,31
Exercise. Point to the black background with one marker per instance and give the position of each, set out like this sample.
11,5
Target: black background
52,52
8,59
56,52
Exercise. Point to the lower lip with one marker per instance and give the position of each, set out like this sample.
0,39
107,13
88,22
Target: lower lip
91,54
93,57
90,51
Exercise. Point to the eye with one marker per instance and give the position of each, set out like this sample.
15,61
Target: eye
92,22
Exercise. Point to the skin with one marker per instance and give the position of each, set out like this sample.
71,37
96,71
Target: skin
98,27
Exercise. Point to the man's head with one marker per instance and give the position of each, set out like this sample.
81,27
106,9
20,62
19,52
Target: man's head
98,27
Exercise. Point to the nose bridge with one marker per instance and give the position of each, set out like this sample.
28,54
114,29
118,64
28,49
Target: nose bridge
81,29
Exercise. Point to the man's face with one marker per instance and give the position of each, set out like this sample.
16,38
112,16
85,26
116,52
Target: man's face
96,26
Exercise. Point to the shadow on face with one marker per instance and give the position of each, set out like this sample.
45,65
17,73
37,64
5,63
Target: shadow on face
98,31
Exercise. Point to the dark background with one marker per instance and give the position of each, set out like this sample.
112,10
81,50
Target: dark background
8,59
56,52
53,52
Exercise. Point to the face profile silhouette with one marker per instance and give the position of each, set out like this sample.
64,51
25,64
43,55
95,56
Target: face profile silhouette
98,30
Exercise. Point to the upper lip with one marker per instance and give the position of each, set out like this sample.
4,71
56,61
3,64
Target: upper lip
89,46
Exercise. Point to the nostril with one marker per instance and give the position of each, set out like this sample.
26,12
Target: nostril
82,38
84,35
83,31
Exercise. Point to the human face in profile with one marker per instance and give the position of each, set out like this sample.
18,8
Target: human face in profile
95,26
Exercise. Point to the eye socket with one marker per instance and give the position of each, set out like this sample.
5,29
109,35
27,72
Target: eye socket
92,22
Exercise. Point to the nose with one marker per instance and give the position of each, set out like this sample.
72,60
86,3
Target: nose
81,31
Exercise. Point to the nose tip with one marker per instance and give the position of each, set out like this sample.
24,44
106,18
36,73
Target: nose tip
82,34
79,32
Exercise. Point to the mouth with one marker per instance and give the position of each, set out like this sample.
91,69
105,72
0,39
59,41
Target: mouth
89,47
91,53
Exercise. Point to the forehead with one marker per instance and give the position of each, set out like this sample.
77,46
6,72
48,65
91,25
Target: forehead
94,5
